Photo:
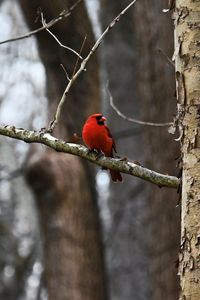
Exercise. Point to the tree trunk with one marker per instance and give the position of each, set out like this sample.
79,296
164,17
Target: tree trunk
155,83
187,36
70,226
126,255
63,184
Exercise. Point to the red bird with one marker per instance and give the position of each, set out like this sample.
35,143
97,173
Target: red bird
96,135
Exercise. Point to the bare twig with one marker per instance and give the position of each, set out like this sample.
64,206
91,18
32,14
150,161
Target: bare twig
77,61
57,40
120,165
171,63
132,119
63,67
63,14
60,105
54,122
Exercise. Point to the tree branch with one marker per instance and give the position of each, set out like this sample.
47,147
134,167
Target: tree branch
139,122
82,68
56,39
63,14
121,165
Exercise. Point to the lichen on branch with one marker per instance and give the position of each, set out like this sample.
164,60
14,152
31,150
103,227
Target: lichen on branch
122,165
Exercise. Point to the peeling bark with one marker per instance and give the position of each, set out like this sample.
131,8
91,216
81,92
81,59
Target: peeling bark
187,32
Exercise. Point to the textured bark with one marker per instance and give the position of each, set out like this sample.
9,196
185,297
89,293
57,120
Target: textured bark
145,233
64,185
187,36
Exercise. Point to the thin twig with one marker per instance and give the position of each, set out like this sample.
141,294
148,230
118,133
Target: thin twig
57,40
132,119
121,165
65,72
77,61
54,122
63,14
167,57
62,101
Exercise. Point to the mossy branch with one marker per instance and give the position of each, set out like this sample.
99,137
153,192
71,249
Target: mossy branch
122,165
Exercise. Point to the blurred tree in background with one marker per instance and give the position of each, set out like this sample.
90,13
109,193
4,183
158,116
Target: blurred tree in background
144,236
140,221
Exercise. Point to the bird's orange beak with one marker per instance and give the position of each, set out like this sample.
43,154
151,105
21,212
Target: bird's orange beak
103,119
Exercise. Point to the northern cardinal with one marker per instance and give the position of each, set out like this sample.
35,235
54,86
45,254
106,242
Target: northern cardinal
96,135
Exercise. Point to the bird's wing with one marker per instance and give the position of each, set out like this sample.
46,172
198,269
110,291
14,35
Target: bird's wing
110,135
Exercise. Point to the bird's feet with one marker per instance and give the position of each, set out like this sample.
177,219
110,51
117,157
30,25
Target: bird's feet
98,154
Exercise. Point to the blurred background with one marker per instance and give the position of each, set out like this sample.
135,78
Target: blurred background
66,231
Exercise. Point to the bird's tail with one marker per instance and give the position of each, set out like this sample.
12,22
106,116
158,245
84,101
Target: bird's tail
115,175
